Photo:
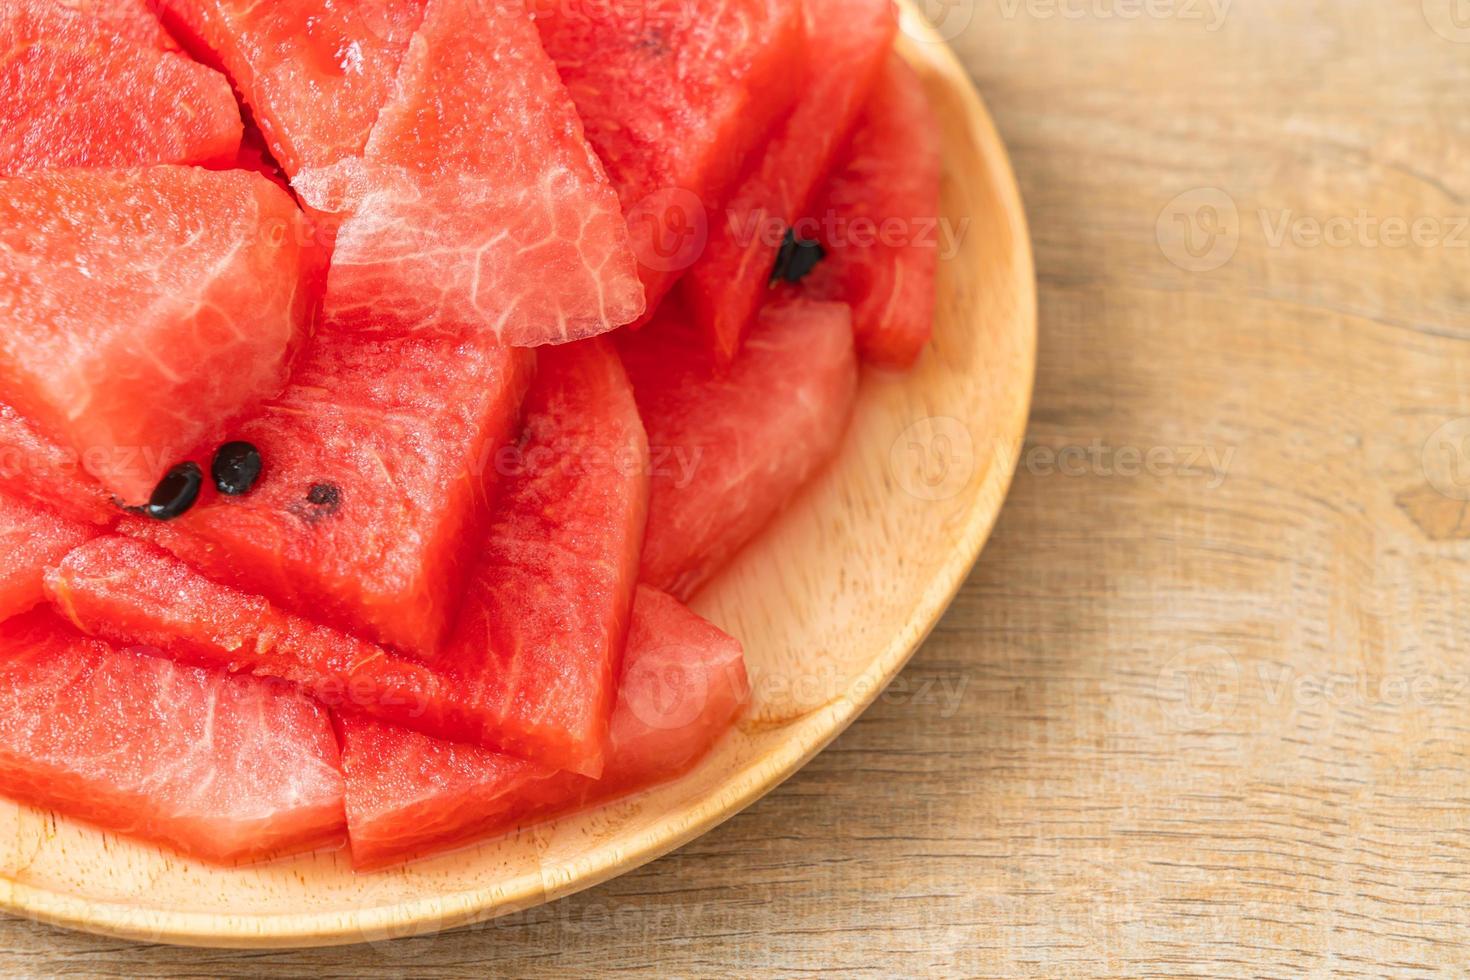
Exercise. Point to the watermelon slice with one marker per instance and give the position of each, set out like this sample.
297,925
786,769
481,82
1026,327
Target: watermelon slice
35,468
848,41
674,96
477,179
683,685
378,475
731,446
224,769
100,85
140,310
546,611
32,541
880,226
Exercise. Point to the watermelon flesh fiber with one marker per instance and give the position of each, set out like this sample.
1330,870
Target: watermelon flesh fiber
891,175
848,42
145,309
36,468
378,480
736,442
674,96
683,685
102,85
32,540
225,769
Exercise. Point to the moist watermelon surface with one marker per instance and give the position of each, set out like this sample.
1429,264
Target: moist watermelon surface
378,473
477,205
224,769
735,443
144,309
546,610
32,541
101,85
879,223
36,468
847,44
683,685
675,95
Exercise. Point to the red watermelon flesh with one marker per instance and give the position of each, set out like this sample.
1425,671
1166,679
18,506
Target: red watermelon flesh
36,468
226,769
130,592
683,685
675,96
848,41
879,223
545,615
477,205
314,73
32,540
731,445
99,85
378,474
143,309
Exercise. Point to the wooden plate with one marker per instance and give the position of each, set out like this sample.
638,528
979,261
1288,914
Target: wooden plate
830,604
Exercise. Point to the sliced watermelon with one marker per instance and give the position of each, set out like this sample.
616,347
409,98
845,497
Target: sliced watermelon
848,42
32,540
224,769
36,468
100,85
477,179
879,223
732,445
683,685
541,634
674,96
379,467
141,310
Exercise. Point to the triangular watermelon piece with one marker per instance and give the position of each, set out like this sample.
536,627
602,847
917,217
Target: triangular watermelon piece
847,44
733,445
31,541
226,769
101,85
879,223
675,96
144,309
378,473
36,468
541,633
683,685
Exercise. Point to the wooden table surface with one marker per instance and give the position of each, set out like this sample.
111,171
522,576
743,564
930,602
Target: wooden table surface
1204,706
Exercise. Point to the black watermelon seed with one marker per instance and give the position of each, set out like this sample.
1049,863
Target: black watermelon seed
322,501
235,469
796,259
176,492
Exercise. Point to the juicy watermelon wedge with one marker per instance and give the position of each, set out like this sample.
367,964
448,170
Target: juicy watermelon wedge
733,445
32,541
144,309
226,769
545,615
100,85
683,685
848,41
36,468
879,223
377,482
477,183
675,96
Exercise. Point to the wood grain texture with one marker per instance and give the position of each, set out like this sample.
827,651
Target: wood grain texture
1201,709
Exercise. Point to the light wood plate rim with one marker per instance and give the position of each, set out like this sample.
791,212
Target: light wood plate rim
805,738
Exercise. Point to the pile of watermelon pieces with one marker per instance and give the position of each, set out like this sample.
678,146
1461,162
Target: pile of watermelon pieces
379,378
